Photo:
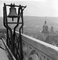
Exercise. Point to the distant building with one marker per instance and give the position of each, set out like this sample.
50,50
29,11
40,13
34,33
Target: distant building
43,35
48,36
52,29
45,28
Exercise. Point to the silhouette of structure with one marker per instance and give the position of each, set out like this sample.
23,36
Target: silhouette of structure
52,29
45,28
14,42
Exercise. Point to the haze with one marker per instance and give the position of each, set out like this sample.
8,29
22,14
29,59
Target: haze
42,8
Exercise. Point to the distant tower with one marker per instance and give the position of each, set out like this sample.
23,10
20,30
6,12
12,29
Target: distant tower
52,29
45,28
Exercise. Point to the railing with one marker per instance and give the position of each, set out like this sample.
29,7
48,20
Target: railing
34,49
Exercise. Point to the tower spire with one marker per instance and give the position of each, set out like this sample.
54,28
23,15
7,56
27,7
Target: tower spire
45,27
45,21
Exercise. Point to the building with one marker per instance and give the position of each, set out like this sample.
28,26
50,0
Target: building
45,28
48,36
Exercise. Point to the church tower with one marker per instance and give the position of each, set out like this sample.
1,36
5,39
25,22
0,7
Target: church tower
52,29
45,28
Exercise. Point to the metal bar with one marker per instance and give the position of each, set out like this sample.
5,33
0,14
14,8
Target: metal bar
16,6
14,22
21,50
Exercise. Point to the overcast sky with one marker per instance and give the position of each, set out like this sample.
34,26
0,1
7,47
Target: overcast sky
44,8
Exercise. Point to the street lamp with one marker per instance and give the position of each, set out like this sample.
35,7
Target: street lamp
10,34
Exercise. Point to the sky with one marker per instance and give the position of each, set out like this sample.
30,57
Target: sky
41,8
